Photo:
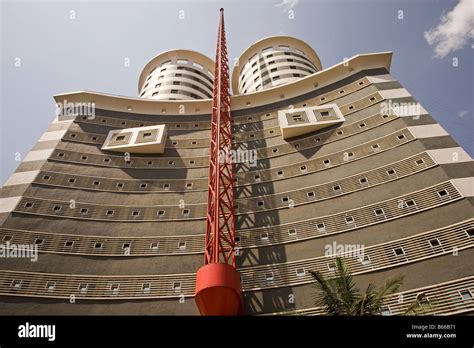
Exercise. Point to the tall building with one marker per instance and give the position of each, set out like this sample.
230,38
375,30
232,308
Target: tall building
327,160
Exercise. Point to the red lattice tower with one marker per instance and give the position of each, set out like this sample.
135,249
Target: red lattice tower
218,290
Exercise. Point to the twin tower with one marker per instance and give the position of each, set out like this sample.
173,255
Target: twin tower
188,75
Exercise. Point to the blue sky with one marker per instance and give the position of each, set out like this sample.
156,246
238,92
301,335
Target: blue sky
56,47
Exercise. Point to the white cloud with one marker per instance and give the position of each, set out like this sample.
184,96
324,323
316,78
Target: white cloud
287,5
454,31
463,113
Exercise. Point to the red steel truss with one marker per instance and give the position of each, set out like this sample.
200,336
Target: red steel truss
217,282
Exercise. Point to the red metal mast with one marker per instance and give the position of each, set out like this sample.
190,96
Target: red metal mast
218,290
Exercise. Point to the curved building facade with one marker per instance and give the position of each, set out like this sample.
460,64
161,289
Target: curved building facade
272,62
115,201
177,75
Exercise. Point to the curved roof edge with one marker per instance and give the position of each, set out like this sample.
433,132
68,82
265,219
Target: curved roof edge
293,89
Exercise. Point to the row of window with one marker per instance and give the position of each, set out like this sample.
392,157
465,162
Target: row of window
83,288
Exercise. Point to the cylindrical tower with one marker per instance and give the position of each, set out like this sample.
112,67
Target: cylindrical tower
273,61
177,75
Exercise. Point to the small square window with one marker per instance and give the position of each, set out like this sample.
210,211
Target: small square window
189,185
186,212
191,162
332,267
237,239
166,187
7,238
46,177
146,288
340,132
351,107
39,241
60,154
126,246
135,213
303,168
419,162
362,125
148,135
182,245
83,288
149,163
98,245
115,289
321,227
260,204
292,232
96,183
16,284
109,212
365,260
120,185
363,180
72,180
391,172
470,232
84,211
300,272
268,276
68,244
401,137
194,142
435,242
465,294
410,203
379,212
399,251
50,286
376,147
106,160
386,311
280,173
285,199
324,113
29,205
257,178
154,246
56,208
349,220
120,137
310,194
84,158
264,236
176,286
161,213
443,193
170,163
327,163
143,185
337,188
317,140
372,99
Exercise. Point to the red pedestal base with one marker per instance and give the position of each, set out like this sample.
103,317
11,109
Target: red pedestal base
218,290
